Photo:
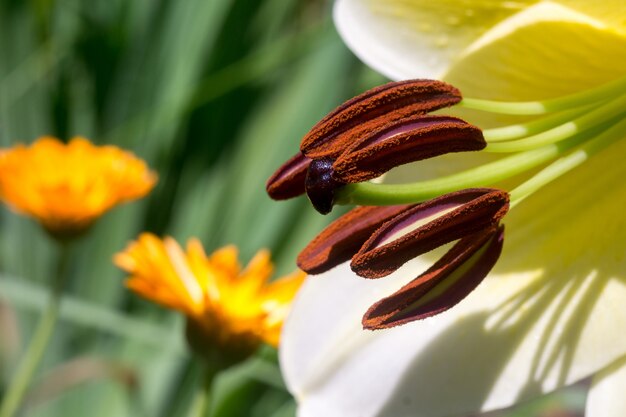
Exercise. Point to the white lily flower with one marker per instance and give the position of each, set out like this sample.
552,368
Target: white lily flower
553,310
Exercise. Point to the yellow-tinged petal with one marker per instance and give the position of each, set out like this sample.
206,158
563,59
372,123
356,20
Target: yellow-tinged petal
157,294
207,276
148,257
232,309
184,274
545,317
258,269
419,38
66,187
277,297
283,289
610,12
226,259
544,51
416,38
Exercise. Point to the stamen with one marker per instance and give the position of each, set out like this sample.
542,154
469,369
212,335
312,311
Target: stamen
343,238
456,215
483,175
372,110
443,285
288,180
407,140
387,127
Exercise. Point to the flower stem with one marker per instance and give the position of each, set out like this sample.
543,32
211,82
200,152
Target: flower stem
584,98
31,359
202,400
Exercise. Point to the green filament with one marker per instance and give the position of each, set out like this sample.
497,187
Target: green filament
588,121
368,193
568,162
600,116
583,98
512,132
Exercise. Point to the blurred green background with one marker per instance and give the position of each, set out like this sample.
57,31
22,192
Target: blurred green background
214,94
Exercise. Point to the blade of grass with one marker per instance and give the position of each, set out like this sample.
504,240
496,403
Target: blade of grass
78,312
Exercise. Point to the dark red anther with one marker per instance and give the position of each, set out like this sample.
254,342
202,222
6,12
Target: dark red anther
443,285
372,110
406,140
343,238
430,225
288,180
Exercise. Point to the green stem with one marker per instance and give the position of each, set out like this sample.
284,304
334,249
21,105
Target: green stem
568,162
571,101
488,174
601,116
202,400
31,359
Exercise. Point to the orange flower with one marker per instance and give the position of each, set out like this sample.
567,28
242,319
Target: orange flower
66,187
233,308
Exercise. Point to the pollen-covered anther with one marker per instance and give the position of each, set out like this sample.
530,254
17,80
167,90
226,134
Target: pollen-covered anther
343,238
372,110
406,140
321,184
427,226
288,180
443,285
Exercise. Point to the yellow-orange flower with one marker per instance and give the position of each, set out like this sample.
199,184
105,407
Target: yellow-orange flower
66,187
233,307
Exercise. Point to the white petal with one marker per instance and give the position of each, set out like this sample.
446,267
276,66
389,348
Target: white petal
323,335
470,43
401,40
606,397
550,314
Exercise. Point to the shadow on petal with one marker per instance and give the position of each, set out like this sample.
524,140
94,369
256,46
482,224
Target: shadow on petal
490,360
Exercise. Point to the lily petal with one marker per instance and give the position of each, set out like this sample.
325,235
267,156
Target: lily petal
549,315
410,38
544,51
606,397
492,46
